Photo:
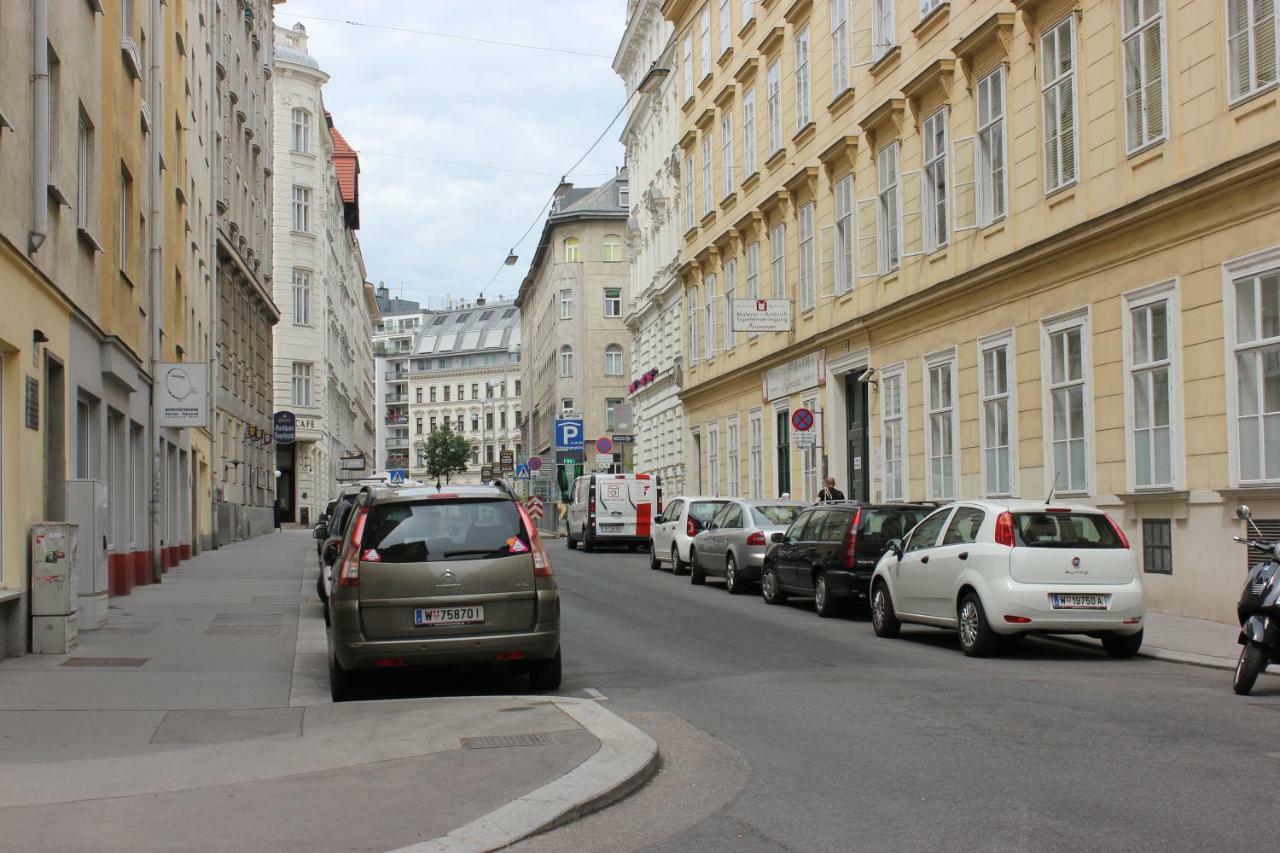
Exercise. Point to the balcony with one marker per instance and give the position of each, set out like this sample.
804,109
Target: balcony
397,376
397,398
397,444
397,420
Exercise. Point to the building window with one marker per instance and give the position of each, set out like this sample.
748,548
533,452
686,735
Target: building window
734,484
432,394
1152,350
755,456
459,424
624,196
1251,46
124,214
809,458
84,172
1058,72
730,294
417,395
991,158
475,390
612,406
749,133
612,248
475,422
753,270
462,393
708,198
844,234
726,41
566,305
927,6
748,11
613,302
301,131
686,65
936,229
502,419
1157,546
773,82
782,451
1067,390
417,424
940,411
301,298
704,41
888,221
517,390
778,262
571,252
839,45
1144,71
804,106
710,283
996,407
301,209
613,360
689,215
566,405
693,325
882,26
713,457
893,434
566,361
301,383
808,258
726,154
1256,348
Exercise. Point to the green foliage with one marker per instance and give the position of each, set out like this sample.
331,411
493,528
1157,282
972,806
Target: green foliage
447,453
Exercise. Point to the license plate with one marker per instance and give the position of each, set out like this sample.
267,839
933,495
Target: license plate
1077,601
611,528
442,616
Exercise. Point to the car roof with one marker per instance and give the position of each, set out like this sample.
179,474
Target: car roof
762,502
700,498
461,490
1023,505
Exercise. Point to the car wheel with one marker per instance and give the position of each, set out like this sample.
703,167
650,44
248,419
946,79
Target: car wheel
884,620
587,544
568,537
677,565
1122,645
654,562
770,589
545,674
824,601
976,637
697,574
343,684
731,584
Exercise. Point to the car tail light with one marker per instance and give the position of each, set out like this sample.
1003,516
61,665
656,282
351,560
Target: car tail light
691,528
1004,529
1124,540
591,506
349,571
756,538
541,561
851,541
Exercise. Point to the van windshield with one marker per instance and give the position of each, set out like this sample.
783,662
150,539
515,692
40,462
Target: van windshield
774,516
1065,530
443,530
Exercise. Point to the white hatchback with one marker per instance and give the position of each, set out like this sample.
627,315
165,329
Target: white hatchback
1002,568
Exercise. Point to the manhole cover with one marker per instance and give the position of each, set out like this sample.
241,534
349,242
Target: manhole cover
138,628
247,619
492,741
244,630
275,599
105,661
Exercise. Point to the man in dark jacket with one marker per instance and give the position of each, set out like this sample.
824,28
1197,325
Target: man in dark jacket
829,492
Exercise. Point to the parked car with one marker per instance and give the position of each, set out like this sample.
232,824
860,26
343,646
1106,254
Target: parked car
328,535
732,545
830,551
612,509
429,576
681,520
993,569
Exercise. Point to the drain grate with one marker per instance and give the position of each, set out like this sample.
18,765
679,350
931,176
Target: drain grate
247,619
243,630
275,599
136,628
494,741
118,662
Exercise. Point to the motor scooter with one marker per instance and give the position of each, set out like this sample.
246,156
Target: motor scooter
1258,611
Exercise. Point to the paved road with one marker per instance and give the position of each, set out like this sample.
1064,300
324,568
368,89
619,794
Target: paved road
856,743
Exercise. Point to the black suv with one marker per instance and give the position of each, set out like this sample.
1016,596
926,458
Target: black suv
831,549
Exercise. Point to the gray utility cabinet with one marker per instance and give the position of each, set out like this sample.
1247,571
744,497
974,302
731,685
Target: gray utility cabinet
87,507
54,587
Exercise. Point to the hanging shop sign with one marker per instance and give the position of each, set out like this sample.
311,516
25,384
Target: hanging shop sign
181,394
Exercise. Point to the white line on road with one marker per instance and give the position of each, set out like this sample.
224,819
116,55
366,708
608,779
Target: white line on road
595,694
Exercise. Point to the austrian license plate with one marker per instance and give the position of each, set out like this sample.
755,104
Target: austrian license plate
610,528
1077,601
443,616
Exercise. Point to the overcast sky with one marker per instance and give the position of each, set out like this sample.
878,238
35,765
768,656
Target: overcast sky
399,93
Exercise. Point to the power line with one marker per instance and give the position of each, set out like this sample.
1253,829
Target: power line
428,240
367,153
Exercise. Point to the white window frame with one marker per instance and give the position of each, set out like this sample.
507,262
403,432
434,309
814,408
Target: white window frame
301,130
889,208
1166,292
1056,175
749,133
690,216
840,65
1136,34
1249,34
928,6
945,413
613,353
708,182
883,35
693,325
755,454
748,11
773,90
566,304
733,470
937,212
709,285
1009,397
613,304
730,294
1236,269
896,421
808,256
611,248
704,41
778,260
726,25
566,362
992,206
302,375
572,250
686,65
85,179
1050,326
753,270
804,87
810,458
713,456
301,209
301,297
726,154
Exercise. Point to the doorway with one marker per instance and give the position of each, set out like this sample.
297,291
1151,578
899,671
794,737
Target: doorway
782,434
857,437
55,440
287,483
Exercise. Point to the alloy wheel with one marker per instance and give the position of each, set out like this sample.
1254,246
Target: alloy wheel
877,609
968,624
730,570
820,593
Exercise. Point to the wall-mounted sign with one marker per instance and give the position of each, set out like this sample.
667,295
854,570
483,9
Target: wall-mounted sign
284,427
623,439
808,371
181,396
351,460
33,403
761,315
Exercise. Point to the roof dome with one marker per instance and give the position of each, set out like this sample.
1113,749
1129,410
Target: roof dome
297,57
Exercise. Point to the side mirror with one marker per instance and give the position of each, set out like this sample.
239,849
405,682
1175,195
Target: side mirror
895,545
331,553
1243,513
320,531
777,537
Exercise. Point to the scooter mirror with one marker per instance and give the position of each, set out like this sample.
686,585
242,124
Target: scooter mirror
1243,513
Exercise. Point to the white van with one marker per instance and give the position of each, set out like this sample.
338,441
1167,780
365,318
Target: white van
612,509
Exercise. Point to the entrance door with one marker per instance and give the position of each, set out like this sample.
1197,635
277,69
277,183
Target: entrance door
782,432
855,394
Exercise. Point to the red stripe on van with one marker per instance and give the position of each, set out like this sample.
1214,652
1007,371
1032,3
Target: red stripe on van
644,518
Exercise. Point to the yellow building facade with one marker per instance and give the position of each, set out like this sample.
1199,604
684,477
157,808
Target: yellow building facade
1025,245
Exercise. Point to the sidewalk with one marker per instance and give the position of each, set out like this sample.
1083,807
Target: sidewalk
176,722
1184,640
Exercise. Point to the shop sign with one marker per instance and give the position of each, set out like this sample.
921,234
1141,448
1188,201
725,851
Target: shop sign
181,395
284,427
795,376
761,315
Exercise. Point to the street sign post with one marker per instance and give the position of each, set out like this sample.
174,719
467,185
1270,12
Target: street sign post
486,473
522,471
802,420
507,461
604,445
569,434
623,439
535,464
397,476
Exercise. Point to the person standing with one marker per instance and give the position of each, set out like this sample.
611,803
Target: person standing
829,492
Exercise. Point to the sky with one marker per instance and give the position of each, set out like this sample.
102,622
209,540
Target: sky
418,96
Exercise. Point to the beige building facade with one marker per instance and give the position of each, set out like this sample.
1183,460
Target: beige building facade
1026,246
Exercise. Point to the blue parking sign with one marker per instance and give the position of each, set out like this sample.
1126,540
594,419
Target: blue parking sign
569,434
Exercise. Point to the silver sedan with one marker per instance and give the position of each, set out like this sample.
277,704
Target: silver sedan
732,546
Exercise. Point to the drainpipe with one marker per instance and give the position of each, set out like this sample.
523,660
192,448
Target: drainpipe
211,264
155,229
40,87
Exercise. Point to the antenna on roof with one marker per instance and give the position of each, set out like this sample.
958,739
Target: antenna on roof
1052,489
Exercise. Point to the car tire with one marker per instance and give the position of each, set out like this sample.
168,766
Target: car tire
677,565
824,601
568,537
731,583
884,619
697,574
545,674
770,589
1122,645
587,544
344,685
976,637
654,562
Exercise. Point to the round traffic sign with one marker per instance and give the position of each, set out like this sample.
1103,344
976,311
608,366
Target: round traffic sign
802,420
535,464
604,444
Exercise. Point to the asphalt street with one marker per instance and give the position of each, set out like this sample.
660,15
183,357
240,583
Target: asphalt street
834,739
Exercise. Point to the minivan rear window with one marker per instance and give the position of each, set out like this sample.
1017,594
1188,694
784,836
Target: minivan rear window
438,530
774,516
1065,530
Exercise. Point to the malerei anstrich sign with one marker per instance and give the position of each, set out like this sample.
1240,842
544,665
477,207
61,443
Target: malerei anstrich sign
761,315
181,398
807,371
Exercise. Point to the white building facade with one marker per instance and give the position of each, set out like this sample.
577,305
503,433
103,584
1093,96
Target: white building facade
655,315
393,338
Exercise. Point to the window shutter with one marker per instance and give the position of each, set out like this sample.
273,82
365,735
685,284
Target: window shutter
827,274
964,196
1238,53
1153,72
860,50
1264,42
910,197
1067,110
868,250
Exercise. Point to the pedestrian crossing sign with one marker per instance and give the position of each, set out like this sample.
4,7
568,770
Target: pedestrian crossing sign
396,476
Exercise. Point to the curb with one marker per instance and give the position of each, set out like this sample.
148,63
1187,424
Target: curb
1167,655
627,758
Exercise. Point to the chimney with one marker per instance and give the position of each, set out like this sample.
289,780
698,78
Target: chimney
383,292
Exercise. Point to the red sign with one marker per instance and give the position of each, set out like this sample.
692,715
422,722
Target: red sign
802,420
533,505
604,445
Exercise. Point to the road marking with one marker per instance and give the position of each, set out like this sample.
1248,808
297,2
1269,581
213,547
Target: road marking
595,694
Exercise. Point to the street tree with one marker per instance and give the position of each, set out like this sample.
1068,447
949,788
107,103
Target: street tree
447,453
